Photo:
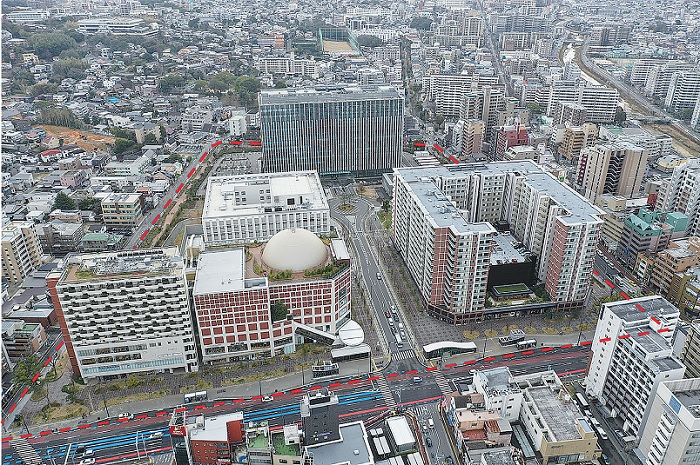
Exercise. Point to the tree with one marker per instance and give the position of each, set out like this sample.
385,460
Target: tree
620,116
247,83
370,41
163,132
69,68
43,88
386,205
50,44
280,84
150,139
279,311
59,117
123,134
170,82
421,23
25,370
122,145
63,202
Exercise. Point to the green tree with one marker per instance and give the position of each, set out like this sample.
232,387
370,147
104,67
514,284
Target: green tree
59,117
421,23
63,202
163,132
69,68
50,44
122,145
247,83
280,84
386,205
279,311
620,116
170,82
43,88
370,41
123,133
150,139
25,370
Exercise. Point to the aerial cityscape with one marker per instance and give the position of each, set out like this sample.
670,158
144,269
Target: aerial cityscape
422,232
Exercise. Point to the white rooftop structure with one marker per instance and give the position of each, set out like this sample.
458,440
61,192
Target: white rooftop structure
294,249
223,271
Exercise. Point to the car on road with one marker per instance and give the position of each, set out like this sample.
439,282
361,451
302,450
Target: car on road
417,379
267,399
619,434
428,441
379,276
89,461
431,423
604,459
126,415
387,314
391,321
156,435
79,451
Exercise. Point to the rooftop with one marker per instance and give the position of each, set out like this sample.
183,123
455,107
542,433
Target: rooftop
281,447
497,378
214,428
121,265
239,196
559,415
503,250
329,94
501,457
687,392
351,449
630,311
220,271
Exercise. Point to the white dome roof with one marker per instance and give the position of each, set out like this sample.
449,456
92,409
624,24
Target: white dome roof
294,249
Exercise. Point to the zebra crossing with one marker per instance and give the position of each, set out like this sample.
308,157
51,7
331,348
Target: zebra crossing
403,355
424,410
26,451
442,383
386,392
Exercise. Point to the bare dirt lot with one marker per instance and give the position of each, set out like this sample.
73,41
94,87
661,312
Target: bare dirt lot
683,144
88,141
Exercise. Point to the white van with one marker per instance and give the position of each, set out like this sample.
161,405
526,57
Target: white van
431,423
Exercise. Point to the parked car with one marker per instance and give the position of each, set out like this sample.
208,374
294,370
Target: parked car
428,441
156,435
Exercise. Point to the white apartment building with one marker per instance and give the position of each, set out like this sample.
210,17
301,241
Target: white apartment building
28,16
501,394
659,77
195,117
632,355
122,209
448,90
288,65
127,168
616,168
21,250
117,26
451,208
600,102
672,432
683,91
124,312
681,193
695,118
255,207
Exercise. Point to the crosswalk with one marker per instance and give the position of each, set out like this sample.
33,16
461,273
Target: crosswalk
424,410
386,392
26,451
403,355
442,383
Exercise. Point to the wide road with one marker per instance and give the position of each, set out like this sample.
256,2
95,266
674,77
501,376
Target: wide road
359,399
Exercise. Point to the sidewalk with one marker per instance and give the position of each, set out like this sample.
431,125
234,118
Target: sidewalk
286,382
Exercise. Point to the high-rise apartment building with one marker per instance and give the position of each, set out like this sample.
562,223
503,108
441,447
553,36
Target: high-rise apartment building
615,168
448,90
600,102
463,29
507,136
338,130
695,118
21,251
124,312
690,355
255,207
659,77
648,231
631,355
472,137
681,193
683,91
672,433
576,138
485,104
442,229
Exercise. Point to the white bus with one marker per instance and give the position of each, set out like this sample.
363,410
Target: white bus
527,344
582,400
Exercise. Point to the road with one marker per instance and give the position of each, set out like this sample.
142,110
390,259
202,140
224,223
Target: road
358,398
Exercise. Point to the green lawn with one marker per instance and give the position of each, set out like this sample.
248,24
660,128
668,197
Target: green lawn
508,288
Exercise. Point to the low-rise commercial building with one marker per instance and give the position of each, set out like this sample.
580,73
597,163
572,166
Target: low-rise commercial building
122,209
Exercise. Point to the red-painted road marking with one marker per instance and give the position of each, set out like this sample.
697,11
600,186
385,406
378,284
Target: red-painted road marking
25,436
216,144
354,381
145,233
45,432
189,175
431,369
624,336
179,188
133,454
585,343
624,296
162,413
60,344
470,362
24,393
167,204
36,376
238,401
489,359
527,352
605,339
200,407
7,438
314,388
334,385
655,320
103,423
219,404
277,394
507,356
64,430
567,346
373,378
392,375
12,409
155,220
640,308
235,142
256,398
547,349
143,416
438,148
454,160
611,285
450,365
296,391
204,155
181,409
412,372
569,373
255,143
419,144
643,333
85,426
596,273
664,330
48,360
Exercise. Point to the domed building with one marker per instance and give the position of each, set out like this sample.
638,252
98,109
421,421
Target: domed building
261,301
